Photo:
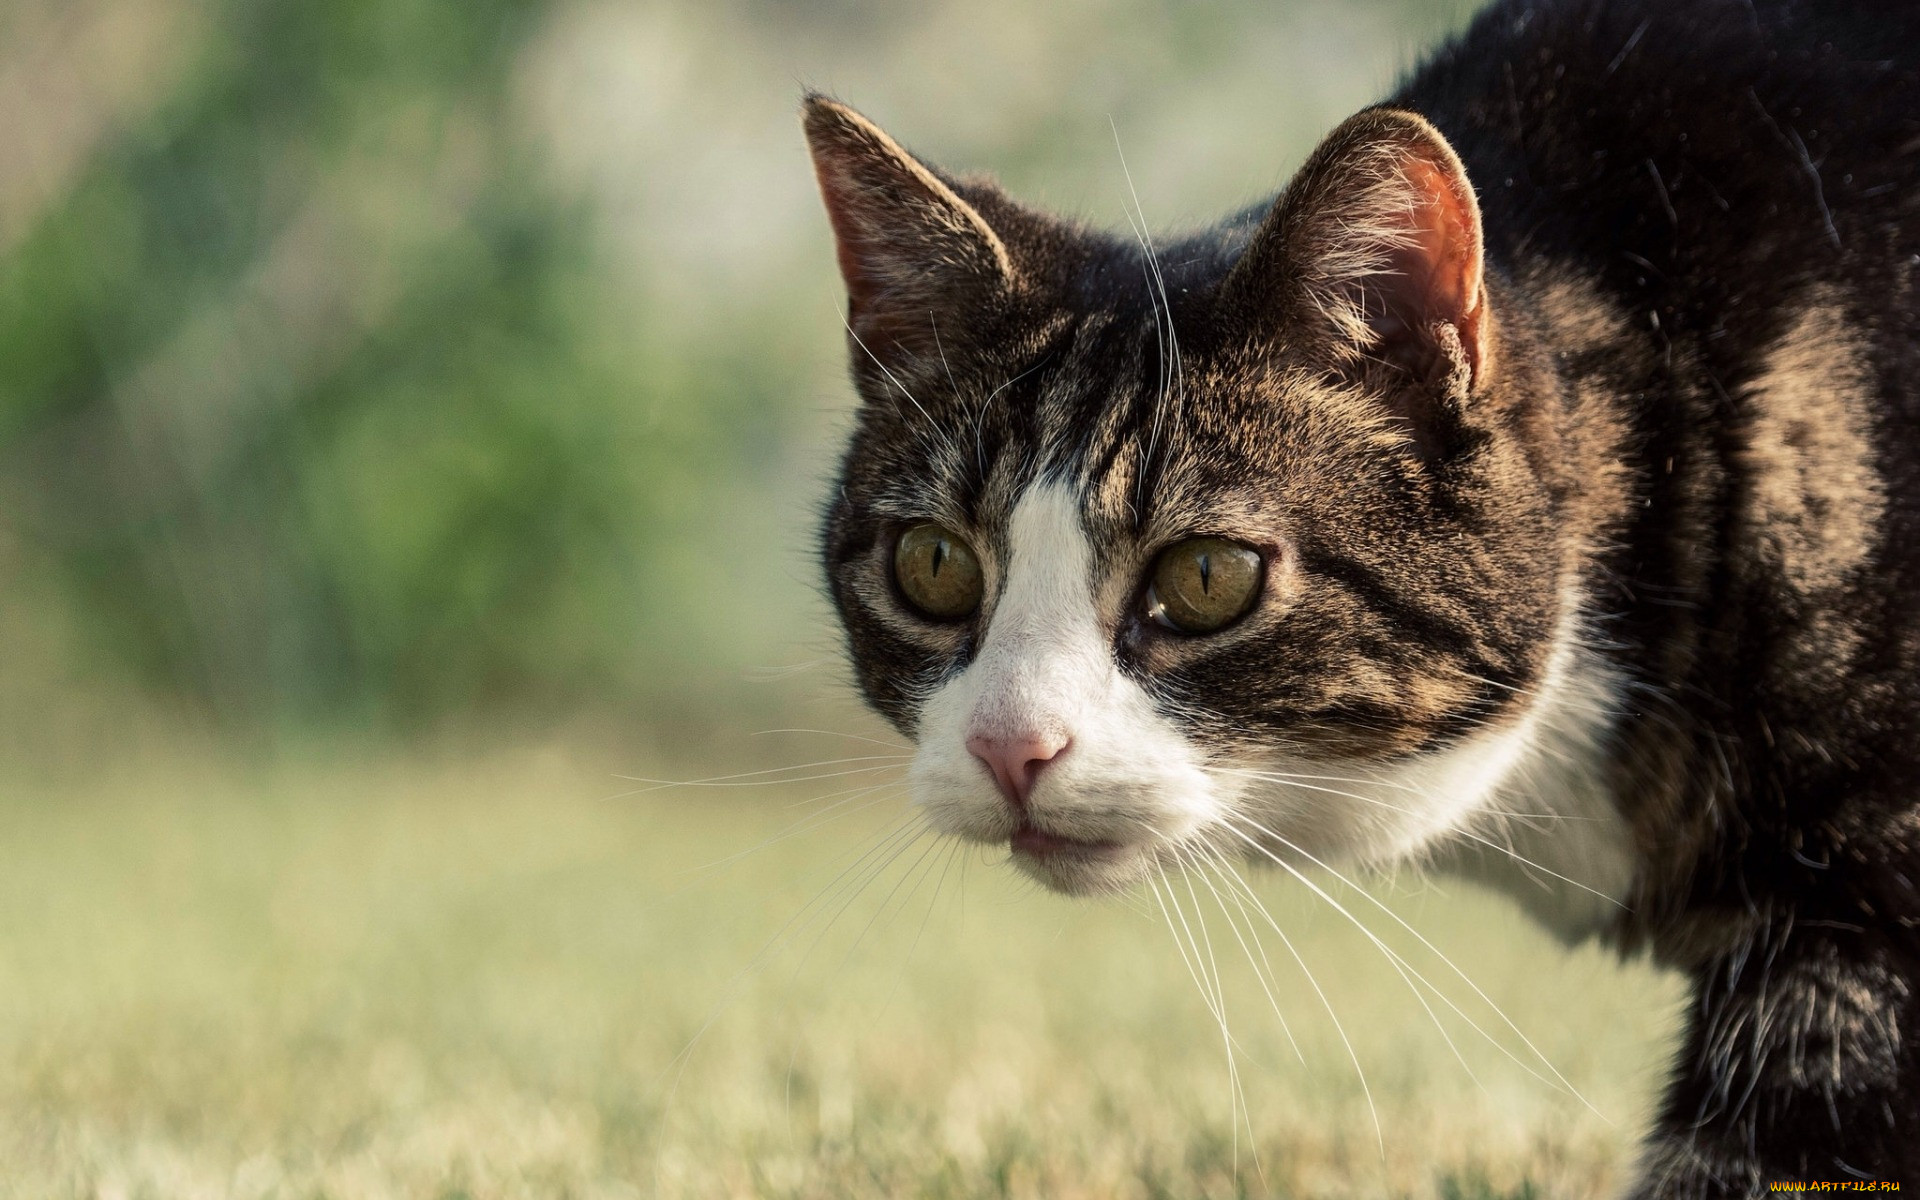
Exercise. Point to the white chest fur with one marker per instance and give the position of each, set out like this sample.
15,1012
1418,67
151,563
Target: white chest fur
1550,834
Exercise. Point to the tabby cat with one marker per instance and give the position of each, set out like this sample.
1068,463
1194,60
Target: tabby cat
1546,447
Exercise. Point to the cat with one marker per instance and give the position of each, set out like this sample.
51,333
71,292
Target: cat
1547,446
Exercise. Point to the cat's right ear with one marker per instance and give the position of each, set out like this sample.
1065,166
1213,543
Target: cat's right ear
1375,253
914,254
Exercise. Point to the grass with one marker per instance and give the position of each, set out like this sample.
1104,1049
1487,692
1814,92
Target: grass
483,980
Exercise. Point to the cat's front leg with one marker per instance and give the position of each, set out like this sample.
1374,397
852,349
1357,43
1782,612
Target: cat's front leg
1801,1065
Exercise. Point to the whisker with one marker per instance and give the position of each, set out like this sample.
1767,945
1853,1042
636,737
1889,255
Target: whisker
747,778
896,846
854,737
980,416
807,824
1204,857
1219,990
1562,698
1171,375
856,888
1210,996
1379,1134
854,790
1431,1015
867,860
1295,781
931,437
1524,861
891,377
1317,890
906,961
1180,944
1263,968
1268,773
887,899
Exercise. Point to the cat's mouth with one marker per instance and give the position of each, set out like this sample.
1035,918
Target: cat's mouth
1034,842
1076,866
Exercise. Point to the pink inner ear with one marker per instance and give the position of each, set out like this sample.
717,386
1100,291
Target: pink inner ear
1441,265
1446,241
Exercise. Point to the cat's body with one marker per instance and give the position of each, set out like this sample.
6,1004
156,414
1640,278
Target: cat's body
1579,474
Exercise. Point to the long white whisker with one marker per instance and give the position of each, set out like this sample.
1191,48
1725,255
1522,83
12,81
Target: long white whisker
888,761
852,891
1405,968
1178,942
1470,836
856,789
1210,996
1297,781
1203,857
1374,938
855,737
946,864
980,417
1262,966
1169,344
852,879
888,899
1267,773
1192,962
1220,995
1379,1134
1524,861
891,377
856,875
928,437
1572,702
934,324
1393,961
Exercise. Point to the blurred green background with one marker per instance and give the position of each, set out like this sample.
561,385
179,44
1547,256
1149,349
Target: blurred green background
412,415
368,366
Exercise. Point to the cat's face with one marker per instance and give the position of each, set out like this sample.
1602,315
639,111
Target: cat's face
1250,543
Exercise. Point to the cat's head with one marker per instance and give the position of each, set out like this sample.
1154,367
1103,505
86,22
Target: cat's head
1251,539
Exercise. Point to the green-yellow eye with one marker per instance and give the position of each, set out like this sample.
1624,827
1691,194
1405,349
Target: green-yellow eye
1203,584
937,572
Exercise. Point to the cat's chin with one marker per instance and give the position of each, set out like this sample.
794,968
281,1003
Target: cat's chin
1079,868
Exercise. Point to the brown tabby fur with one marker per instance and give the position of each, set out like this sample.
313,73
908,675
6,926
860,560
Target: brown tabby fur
1681,418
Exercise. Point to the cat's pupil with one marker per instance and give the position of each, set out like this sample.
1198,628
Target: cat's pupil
937,572
1180,593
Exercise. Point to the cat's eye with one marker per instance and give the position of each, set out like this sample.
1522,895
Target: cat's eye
1203,584
937,572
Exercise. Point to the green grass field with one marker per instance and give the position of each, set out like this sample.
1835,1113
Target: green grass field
492,980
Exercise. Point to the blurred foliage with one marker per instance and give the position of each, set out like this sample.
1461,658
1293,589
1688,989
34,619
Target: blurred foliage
312,401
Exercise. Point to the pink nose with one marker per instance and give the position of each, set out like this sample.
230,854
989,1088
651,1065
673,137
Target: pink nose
1016,761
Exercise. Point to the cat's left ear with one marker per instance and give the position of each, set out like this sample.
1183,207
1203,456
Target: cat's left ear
1377,245
915,255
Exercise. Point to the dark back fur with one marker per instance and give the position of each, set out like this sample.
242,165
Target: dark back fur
1741,184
